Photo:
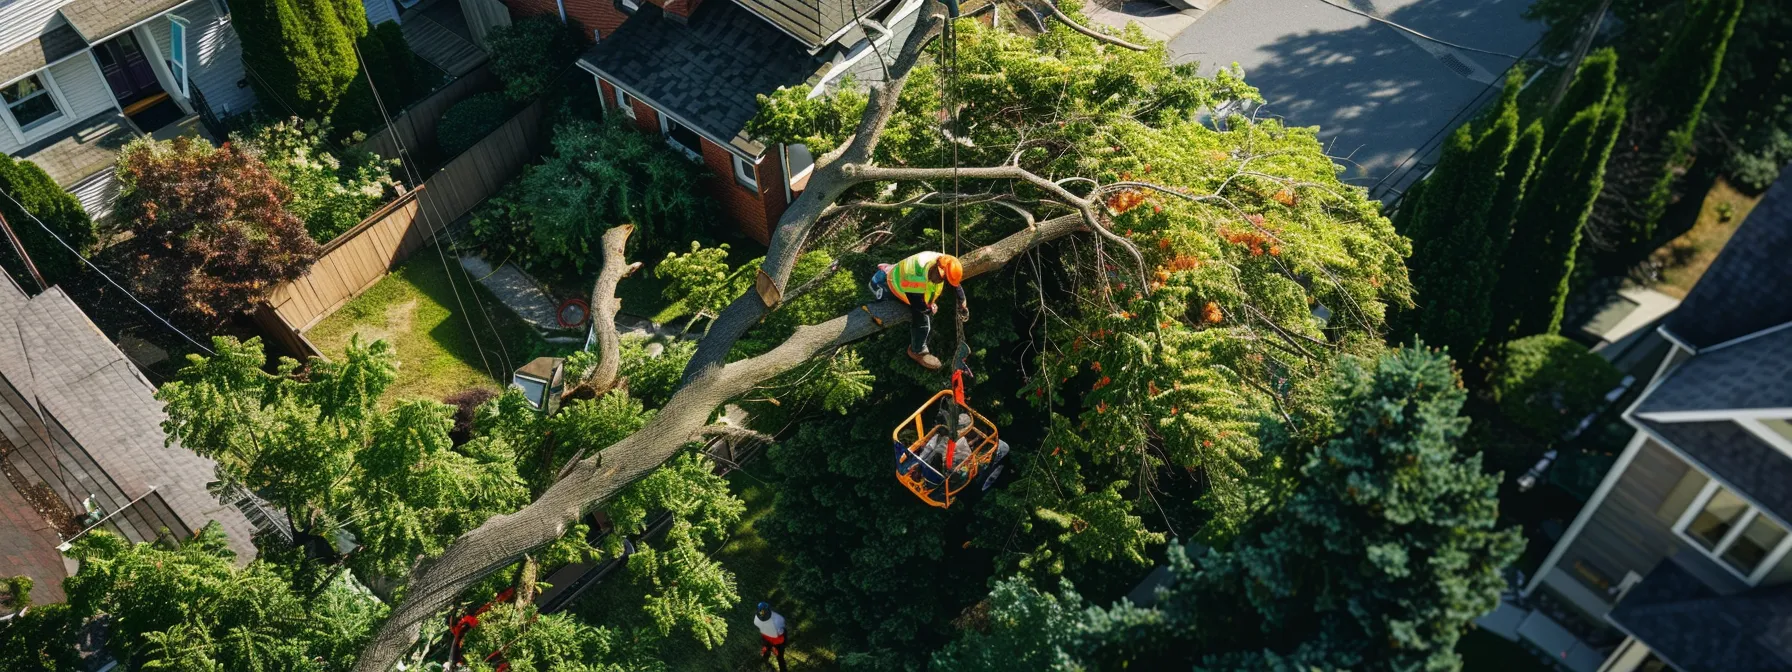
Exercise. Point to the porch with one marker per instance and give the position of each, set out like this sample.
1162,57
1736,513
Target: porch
439,32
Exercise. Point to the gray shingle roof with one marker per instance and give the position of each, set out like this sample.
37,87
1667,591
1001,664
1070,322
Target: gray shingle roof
60,42
708,71
100,19
74,375
1745,289
811,21
1685,622
1756,373
1737,456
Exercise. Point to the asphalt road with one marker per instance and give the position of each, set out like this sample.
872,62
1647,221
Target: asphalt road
1377,94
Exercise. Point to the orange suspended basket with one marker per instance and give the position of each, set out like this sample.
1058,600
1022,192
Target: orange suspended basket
941,448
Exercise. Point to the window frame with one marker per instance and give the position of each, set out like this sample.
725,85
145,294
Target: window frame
179,58
666,122
747,178
628,6
624,102
25,133
1716,553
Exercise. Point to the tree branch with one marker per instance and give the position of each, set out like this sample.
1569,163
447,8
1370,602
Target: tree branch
590,482
1099,36
605,305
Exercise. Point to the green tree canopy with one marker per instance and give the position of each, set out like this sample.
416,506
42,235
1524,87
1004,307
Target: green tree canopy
300,54
29,186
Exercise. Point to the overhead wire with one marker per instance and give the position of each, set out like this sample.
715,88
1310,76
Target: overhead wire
407,162
71,249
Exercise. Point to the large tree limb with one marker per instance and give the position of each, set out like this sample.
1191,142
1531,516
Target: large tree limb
1098,36
605,305
826,186
592,481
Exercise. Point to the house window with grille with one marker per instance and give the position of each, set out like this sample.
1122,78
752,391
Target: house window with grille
1734,532
29,102
625,103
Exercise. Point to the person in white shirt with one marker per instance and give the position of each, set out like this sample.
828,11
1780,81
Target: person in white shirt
771,633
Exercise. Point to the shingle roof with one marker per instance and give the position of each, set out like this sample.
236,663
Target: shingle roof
28,546
60,42
1682,620
1744,291
1756,373
707,72
100,19
72,374
811,21
1737,456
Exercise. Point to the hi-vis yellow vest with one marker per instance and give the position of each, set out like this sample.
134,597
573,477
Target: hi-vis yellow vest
910,276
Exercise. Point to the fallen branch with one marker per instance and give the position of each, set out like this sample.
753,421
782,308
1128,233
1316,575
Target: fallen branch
605,305
1099,36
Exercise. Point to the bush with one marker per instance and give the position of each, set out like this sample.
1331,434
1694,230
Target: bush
301,55
57,209
210,230
331,192
653,379
18,591
1547,383
466,405
402,77
526,55
469,121
602,175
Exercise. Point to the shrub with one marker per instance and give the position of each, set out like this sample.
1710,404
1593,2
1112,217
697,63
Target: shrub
1547,383
466,405
300,54
57,209
601,175
402,77
469,121
526,55
331,192
211,232
18,590
653,379
500,227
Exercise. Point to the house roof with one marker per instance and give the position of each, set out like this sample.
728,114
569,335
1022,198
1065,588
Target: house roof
1687,623
100,19
28,546
1751,374
53,45
1744,290
707,72
74,378
811,21
1735,455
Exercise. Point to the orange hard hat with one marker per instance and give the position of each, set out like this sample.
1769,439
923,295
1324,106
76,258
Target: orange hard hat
953,270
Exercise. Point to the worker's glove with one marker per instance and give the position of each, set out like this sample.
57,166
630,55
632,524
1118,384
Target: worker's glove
933,309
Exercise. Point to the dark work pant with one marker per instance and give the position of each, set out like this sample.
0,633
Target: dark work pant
768,649
920,322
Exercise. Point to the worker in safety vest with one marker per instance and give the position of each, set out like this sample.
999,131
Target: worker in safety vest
918,281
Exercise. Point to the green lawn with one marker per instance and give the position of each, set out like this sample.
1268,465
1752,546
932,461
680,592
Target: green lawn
414,308
756,568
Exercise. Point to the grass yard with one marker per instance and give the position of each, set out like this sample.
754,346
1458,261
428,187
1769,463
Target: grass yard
756,568
414,309
1684,259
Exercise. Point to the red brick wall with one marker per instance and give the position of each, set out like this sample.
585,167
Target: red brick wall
771,188
680,8
747,208
587,15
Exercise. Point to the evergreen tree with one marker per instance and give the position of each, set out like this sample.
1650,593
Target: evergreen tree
1454,257
1593,84
1658,138
1520,166
1547,231
32,188
300,54
1380,559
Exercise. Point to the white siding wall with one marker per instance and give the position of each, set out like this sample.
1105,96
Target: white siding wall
380,11
24,20
82,86
214,53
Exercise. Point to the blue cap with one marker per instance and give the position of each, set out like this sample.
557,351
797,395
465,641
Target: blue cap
765,606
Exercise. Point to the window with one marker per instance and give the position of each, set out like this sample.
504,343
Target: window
177,53
30,102
799,164
746,174
1735,533
625,103
681,137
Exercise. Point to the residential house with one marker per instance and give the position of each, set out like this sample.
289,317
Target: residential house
1684,547
691,71
80,78
81,445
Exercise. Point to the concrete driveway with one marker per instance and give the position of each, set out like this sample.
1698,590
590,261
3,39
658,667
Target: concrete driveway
1379,95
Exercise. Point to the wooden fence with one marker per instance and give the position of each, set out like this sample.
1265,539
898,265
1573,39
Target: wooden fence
415,128
355,260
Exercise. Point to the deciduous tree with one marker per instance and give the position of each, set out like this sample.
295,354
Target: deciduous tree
211,233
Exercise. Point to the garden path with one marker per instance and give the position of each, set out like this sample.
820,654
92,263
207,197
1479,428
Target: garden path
521,293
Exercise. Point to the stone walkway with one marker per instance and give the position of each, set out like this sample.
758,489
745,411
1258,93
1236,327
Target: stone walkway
517,290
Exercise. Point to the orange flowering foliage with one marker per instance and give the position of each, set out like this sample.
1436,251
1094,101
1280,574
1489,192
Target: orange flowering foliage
211,232
1126,200
1256,241
1285,197
1210,313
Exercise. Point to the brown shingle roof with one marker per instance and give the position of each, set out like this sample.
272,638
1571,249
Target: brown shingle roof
100,19
60,42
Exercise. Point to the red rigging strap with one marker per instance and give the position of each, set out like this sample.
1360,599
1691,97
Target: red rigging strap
958,386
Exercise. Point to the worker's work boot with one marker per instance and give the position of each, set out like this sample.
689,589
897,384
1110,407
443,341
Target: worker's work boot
925,359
